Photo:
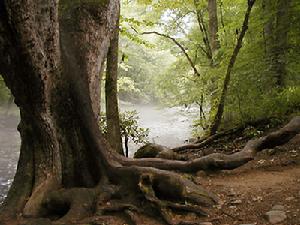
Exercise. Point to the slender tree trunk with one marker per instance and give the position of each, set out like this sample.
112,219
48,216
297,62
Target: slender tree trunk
126,145
268,27
213,25
221,104
111,94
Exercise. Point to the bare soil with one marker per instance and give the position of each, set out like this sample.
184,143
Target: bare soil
248,192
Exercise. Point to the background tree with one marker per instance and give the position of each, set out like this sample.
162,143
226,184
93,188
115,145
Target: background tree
221,104
253,79
111,94
282,27
213,25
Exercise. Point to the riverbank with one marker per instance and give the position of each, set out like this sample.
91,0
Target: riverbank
168,126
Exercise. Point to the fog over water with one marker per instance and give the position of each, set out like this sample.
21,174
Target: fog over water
168,126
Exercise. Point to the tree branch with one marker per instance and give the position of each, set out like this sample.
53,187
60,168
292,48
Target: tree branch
179,45
203,30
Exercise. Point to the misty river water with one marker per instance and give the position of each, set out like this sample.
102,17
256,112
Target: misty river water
168,126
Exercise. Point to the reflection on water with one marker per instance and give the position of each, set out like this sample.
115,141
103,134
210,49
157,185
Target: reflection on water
168,126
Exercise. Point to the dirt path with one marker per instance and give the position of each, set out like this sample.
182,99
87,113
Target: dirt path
246,195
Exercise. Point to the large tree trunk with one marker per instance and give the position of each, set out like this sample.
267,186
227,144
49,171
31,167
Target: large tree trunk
53,73
67,171
111,95
51,62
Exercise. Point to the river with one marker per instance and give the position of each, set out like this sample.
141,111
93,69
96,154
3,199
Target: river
168,126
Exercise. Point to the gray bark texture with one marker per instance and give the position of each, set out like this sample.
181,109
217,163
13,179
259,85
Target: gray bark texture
213,25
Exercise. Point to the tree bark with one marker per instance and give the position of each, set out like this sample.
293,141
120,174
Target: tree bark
221,104
280,44
213,25
52,65
111,94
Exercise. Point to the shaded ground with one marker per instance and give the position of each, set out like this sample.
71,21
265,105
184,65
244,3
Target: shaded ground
246,197
250,191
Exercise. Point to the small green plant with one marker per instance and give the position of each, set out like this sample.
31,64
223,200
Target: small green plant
130,130
252,132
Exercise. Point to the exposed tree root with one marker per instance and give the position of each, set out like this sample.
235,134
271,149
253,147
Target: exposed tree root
148,191
162,191
210,139
146,186
219,161
72,204
206,141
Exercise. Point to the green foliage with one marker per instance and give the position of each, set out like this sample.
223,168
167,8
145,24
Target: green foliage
127,89
4,92
129,127
253,93
139,69
254,106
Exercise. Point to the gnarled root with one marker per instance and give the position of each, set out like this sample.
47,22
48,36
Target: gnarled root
141,191
146,186
218,161
164,193
72,204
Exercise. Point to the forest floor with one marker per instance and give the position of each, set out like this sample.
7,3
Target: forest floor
245,194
